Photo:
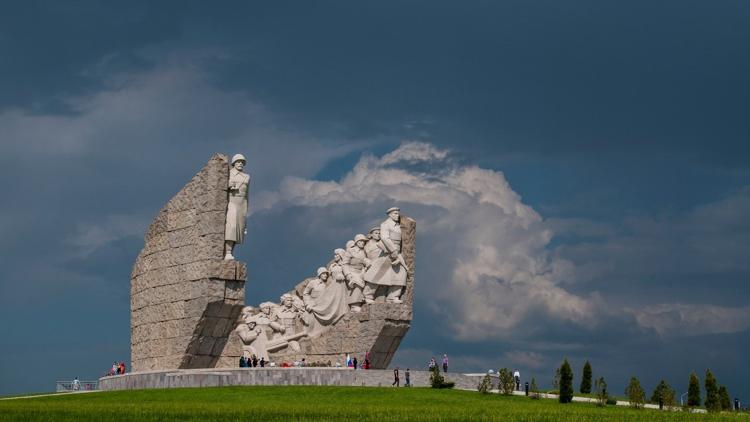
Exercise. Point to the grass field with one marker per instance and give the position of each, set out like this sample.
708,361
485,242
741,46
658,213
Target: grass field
303,403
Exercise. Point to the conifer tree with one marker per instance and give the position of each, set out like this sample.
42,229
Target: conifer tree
712,392
586,379
635,393
566,382
726,402
663,394
694,390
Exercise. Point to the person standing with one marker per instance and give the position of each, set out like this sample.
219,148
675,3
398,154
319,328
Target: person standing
517,378
354,361
76,384
445,363
395,378
243,362
407,378
262,362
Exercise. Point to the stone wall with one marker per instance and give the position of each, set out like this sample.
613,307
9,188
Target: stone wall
184,298
274,376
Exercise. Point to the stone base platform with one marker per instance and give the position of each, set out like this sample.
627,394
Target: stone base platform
217,377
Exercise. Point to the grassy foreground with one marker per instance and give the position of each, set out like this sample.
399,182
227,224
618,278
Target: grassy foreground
305,403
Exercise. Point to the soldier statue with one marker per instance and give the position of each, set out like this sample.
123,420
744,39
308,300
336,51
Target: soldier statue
389,270
235,229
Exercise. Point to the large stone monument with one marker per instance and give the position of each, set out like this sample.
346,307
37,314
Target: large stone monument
188,293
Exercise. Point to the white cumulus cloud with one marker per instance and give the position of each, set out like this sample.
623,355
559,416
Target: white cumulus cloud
482,263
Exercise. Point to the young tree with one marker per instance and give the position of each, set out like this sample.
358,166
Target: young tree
694,391
566,382
506,381
663,395
712,392
586,379
485,385
635,393
726,402
556,380
601,391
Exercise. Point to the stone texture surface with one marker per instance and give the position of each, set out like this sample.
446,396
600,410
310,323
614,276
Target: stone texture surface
274,376
185,299
378,328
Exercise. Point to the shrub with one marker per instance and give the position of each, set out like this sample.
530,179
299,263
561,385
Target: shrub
438,381
534,389
602,397
566,382
635,393
586,379
506,382
712,393
694,391
612,401
485,385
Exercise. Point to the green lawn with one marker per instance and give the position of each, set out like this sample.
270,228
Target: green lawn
303,403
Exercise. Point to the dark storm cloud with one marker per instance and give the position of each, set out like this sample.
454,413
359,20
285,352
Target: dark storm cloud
623,124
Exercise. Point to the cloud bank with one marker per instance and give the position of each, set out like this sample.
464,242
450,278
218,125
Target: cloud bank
482,260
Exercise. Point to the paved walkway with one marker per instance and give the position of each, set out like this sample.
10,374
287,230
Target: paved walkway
49,395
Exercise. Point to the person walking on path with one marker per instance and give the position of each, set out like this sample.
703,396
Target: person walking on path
407,378
395,378
445,363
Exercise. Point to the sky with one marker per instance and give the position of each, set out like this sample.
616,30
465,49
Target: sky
579,171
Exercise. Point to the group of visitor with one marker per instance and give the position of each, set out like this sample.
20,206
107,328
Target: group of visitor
397,380
252,361
116,369
433,363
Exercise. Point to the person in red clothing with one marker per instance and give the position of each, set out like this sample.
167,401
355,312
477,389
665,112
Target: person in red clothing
122,368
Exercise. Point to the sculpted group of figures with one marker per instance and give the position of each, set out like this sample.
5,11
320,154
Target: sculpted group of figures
368,267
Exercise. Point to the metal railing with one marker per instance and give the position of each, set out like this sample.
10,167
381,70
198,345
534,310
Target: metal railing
62,386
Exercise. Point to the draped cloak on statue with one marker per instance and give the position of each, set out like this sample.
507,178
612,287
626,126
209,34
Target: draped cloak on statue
328,301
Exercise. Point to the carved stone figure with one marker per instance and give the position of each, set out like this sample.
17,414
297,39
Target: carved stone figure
354,271
325,301
254,339
390,269
268,318
372,250
235,230
288,314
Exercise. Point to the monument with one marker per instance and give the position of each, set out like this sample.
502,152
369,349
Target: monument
188,291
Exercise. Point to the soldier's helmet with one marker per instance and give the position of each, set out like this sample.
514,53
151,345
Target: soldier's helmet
322,270
238,157
359,237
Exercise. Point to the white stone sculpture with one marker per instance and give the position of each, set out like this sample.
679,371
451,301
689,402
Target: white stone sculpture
372,249
235,230
388,270
288,313
354,269
254,339
325,301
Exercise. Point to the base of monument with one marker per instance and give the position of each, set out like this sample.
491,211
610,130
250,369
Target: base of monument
222,377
